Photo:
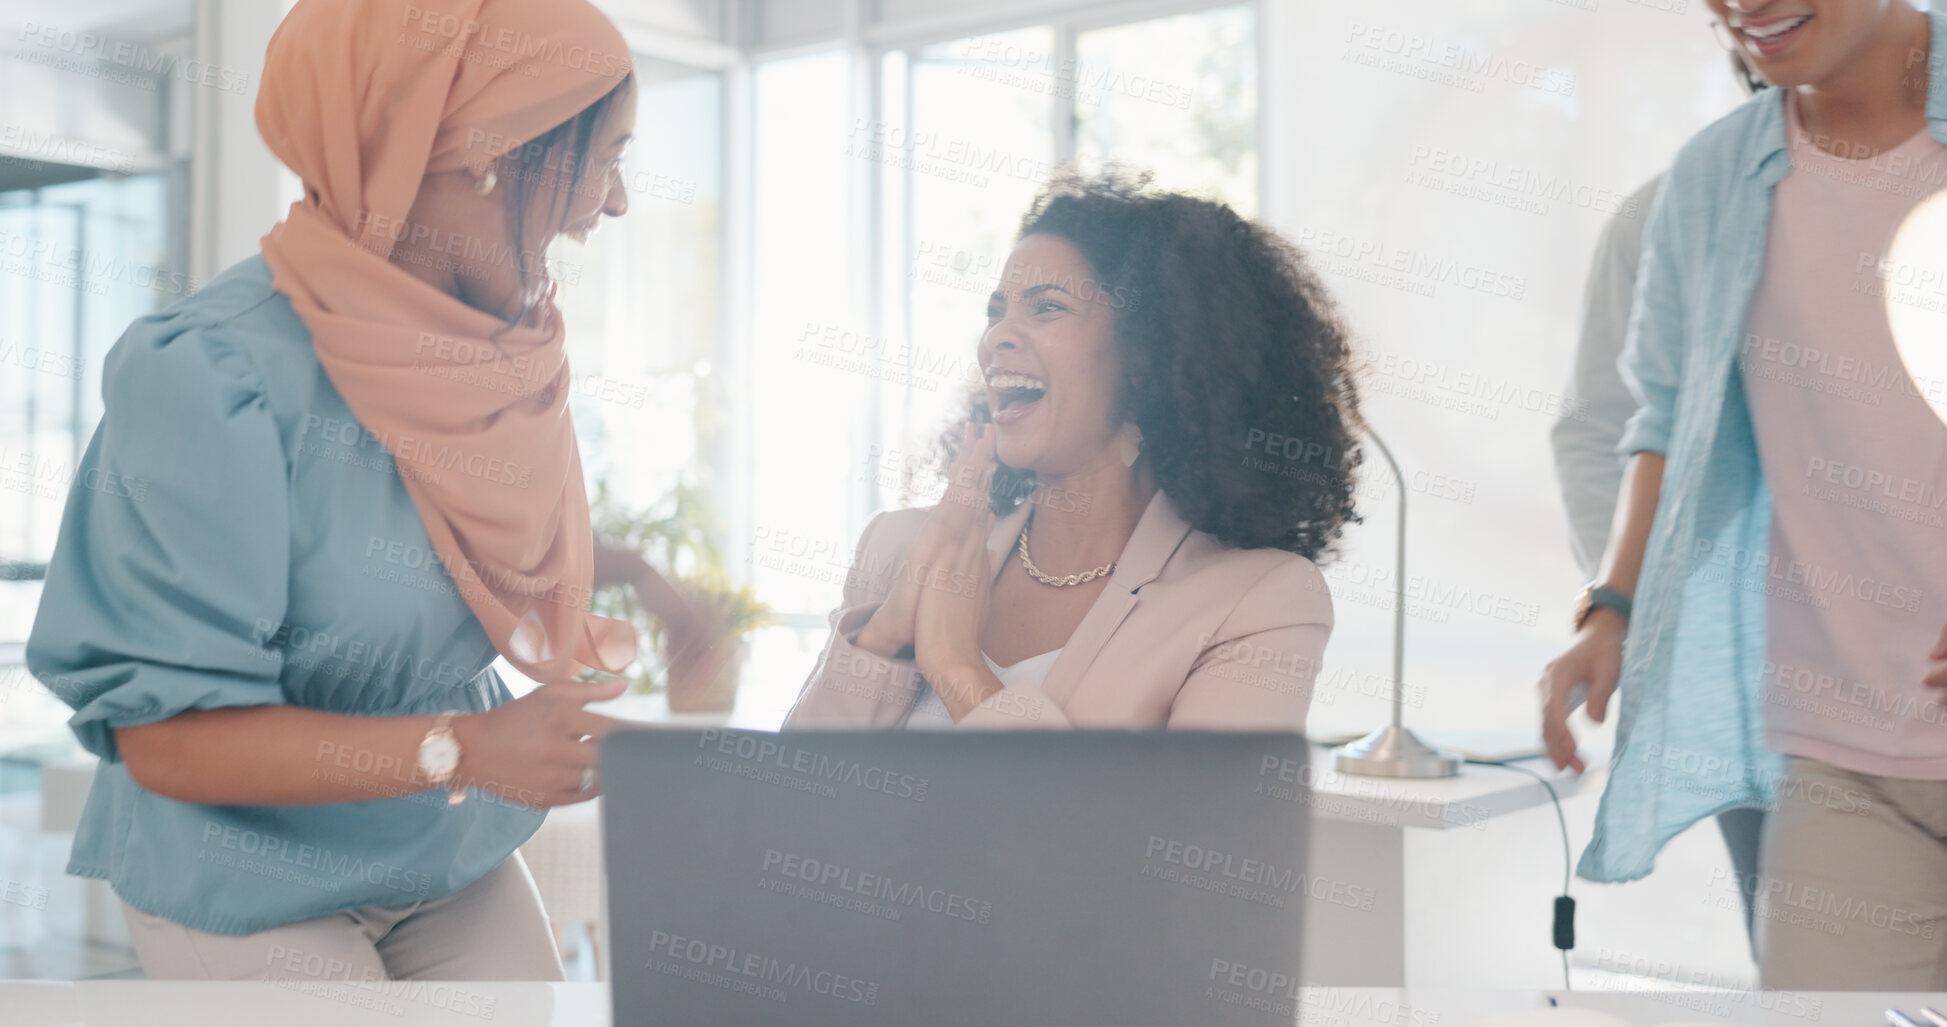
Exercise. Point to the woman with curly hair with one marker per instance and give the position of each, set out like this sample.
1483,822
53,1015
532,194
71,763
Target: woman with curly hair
1164,446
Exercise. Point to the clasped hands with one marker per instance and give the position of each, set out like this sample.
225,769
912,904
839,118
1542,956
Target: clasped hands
938,604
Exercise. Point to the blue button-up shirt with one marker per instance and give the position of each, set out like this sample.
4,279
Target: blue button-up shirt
1690,735
235,538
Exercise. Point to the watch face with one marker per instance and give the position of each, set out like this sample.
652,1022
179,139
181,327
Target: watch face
439,756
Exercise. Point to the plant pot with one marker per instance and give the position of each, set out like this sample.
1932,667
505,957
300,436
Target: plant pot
717,695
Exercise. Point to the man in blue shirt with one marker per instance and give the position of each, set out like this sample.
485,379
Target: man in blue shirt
1697,577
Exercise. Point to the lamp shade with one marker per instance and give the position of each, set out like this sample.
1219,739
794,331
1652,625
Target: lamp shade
1914,280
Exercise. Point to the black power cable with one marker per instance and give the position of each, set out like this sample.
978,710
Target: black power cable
1564,932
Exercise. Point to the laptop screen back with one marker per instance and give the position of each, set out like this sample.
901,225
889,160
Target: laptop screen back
817,878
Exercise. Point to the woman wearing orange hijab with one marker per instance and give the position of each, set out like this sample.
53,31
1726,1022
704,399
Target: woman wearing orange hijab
358,484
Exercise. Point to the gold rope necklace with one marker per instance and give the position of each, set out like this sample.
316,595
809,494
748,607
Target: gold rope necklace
1066,580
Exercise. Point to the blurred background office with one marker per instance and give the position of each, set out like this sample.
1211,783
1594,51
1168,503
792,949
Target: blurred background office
823,192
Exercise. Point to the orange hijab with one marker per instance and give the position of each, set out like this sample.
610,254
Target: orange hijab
363,98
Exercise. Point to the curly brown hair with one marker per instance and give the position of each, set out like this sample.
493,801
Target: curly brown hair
1236,365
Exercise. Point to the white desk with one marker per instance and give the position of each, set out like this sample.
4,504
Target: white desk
412,1004
1381,912
1383,908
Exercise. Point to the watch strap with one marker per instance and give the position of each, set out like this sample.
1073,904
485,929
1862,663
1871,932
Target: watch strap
1600,597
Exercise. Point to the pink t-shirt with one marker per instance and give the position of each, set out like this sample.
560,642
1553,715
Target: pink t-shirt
1856,460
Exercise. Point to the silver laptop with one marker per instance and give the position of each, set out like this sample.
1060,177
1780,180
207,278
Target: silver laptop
1039,877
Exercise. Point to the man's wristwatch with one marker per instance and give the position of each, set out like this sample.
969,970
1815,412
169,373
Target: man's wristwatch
1596,597
439,757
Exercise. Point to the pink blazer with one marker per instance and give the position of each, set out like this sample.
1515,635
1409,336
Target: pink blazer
1188,634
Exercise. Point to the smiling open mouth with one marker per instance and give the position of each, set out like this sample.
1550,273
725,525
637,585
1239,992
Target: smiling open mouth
1771,37
1015,395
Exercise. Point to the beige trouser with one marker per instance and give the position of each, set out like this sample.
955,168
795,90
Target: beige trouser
491,930
1854,896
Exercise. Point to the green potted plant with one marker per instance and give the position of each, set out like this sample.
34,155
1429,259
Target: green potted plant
678,578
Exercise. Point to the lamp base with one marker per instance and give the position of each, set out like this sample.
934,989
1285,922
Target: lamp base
1394,751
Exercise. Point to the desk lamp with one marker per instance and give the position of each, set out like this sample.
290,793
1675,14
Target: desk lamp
1394,750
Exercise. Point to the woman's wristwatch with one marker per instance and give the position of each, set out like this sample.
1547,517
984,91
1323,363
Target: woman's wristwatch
1598,597
439,757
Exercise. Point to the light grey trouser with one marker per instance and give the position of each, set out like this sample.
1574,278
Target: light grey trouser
1854,896
491,930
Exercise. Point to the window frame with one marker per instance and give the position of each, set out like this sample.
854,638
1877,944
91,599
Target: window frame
867,43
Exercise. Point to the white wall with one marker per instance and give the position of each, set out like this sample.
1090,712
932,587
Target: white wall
1572,110
1557,108
238,188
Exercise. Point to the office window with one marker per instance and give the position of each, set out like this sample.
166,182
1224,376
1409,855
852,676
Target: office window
972,125
1177,96
806,392
78,262
886,199
643,300
983,122
884,211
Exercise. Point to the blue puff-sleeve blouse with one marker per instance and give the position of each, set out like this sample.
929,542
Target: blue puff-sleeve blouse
234,537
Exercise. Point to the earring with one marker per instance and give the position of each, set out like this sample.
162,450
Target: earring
1131,438
487,182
